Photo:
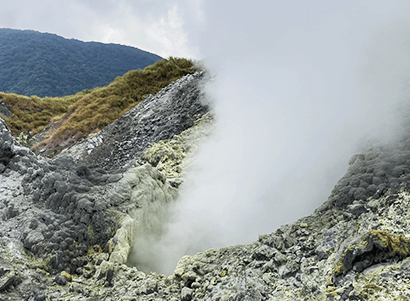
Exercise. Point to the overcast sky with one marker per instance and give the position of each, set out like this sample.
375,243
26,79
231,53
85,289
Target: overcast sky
158,26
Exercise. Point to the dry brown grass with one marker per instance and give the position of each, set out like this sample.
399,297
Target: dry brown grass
90,110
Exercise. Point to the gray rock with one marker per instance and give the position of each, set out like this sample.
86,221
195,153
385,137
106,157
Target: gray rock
148,287
61,280
7,280
171,111
186,294
77,219
4,110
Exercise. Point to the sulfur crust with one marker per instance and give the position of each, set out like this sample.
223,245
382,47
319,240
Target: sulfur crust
174,154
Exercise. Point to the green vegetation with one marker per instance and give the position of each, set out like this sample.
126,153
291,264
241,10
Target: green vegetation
89,111
34,113
43,64
104,105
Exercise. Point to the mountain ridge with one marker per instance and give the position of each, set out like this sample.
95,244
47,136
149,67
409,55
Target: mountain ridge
45,64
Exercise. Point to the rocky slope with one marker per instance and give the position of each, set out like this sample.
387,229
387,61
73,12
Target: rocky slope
68,224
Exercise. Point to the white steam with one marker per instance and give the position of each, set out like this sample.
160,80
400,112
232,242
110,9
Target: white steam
300,87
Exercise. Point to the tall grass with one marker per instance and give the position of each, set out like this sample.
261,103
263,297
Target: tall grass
34,113
91,110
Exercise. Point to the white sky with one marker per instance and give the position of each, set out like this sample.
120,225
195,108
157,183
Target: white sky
157,26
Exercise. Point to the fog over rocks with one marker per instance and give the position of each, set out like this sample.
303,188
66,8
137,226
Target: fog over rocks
69,224
373,173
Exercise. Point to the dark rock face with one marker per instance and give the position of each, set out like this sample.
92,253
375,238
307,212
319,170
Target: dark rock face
62,191
68,209
7,280
4,110
6,151
173,110
61,280
14,157
373,173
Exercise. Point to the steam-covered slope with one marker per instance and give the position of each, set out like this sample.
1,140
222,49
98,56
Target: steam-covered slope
70,223
43,64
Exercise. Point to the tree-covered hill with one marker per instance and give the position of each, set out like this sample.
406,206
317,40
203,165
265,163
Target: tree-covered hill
43,64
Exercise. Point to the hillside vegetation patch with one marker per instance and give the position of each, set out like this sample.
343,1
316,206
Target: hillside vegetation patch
90,110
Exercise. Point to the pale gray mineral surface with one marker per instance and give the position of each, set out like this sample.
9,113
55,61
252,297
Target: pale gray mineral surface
69,223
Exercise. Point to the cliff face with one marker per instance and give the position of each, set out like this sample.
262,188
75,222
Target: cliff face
69,224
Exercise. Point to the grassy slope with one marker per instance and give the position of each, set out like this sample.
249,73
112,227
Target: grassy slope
34,113
90,110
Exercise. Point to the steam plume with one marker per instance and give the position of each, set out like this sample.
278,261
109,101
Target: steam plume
300,87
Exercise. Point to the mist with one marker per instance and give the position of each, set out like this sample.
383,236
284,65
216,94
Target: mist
300,87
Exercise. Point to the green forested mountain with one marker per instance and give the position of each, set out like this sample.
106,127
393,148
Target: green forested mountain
43,64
